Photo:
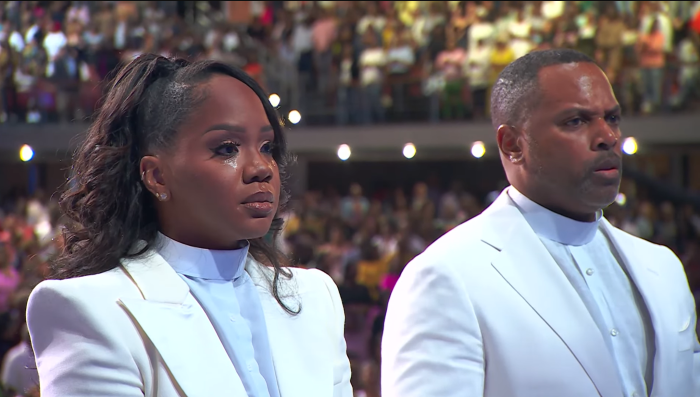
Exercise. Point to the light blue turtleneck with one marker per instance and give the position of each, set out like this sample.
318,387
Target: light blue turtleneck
221,285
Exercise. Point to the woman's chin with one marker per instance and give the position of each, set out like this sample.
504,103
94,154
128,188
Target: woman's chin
256,228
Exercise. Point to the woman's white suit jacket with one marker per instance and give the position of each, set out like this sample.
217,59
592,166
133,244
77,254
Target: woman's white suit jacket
137,331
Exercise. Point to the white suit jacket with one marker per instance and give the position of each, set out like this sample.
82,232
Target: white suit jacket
138,331
486,311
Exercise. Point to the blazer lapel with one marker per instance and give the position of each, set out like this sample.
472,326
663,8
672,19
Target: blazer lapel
527,266
180,330
299,367
643,272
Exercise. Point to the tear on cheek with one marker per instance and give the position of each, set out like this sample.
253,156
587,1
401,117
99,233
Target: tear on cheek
232,162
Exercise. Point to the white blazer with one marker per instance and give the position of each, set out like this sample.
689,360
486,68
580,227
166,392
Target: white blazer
485,311
137,331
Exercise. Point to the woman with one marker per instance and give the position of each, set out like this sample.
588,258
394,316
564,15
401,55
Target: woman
166,285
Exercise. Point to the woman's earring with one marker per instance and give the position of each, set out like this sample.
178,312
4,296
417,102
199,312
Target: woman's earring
515,159
162,196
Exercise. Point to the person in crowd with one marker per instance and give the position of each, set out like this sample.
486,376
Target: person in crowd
400,58
18,373
652,61
372,267
371,371
520,31
540,295
348,73
167,285
323,32
689,73
9,277
371,21
609,42
450,63
478,67
371,63
501,56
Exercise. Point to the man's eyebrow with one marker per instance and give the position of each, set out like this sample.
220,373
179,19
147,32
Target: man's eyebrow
586,111
614,109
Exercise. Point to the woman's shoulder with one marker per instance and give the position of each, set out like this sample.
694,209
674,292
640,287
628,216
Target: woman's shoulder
107,286
312,279
302,281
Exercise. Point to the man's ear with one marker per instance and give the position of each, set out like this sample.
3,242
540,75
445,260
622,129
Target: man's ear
508,138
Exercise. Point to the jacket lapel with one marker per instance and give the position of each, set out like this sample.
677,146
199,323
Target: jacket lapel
645,275
300,367
529,268
180,330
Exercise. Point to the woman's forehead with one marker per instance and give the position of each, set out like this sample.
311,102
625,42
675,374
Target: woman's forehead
227,101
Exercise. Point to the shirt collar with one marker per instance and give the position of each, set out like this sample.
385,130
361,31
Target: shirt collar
202,263
553,226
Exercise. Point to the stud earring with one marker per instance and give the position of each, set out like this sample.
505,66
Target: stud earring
162,196
515,159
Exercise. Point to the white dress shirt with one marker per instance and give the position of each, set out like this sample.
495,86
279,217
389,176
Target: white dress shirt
587,258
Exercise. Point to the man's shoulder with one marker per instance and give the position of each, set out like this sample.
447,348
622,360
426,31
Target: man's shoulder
464,242
638,244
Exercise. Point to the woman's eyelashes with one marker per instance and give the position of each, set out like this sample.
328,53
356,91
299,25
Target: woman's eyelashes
267,148
230,148
226,149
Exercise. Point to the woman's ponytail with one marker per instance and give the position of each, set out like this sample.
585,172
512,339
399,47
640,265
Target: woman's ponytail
106,201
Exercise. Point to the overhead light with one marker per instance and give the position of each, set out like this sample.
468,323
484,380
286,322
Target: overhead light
344,152
629,146
478,149
26,153
294,116
621,199
274,100
409,151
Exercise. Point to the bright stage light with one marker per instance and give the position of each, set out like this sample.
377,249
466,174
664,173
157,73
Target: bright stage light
294,116
26,153
478,149
274,100
629,146
409,151
344,152
621,199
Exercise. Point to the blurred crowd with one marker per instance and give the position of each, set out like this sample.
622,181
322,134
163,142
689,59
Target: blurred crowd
363,240
347,61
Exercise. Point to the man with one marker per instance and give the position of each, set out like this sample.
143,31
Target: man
540,296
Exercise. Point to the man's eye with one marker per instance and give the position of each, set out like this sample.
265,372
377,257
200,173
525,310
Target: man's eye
614,119
574,122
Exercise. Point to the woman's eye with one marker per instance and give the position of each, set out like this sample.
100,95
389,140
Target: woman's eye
267,147
227,149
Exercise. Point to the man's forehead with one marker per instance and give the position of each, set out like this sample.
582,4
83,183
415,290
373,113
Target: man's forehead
582,83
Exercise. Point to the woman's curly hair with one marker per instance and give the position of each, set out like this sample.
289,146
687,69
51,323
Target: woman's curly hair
108,206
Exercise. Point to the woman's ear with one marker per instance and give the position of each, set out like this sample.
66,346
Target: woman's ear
152,177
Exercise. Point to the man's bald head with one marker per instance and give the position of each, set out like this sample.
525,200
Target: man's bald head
516,89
